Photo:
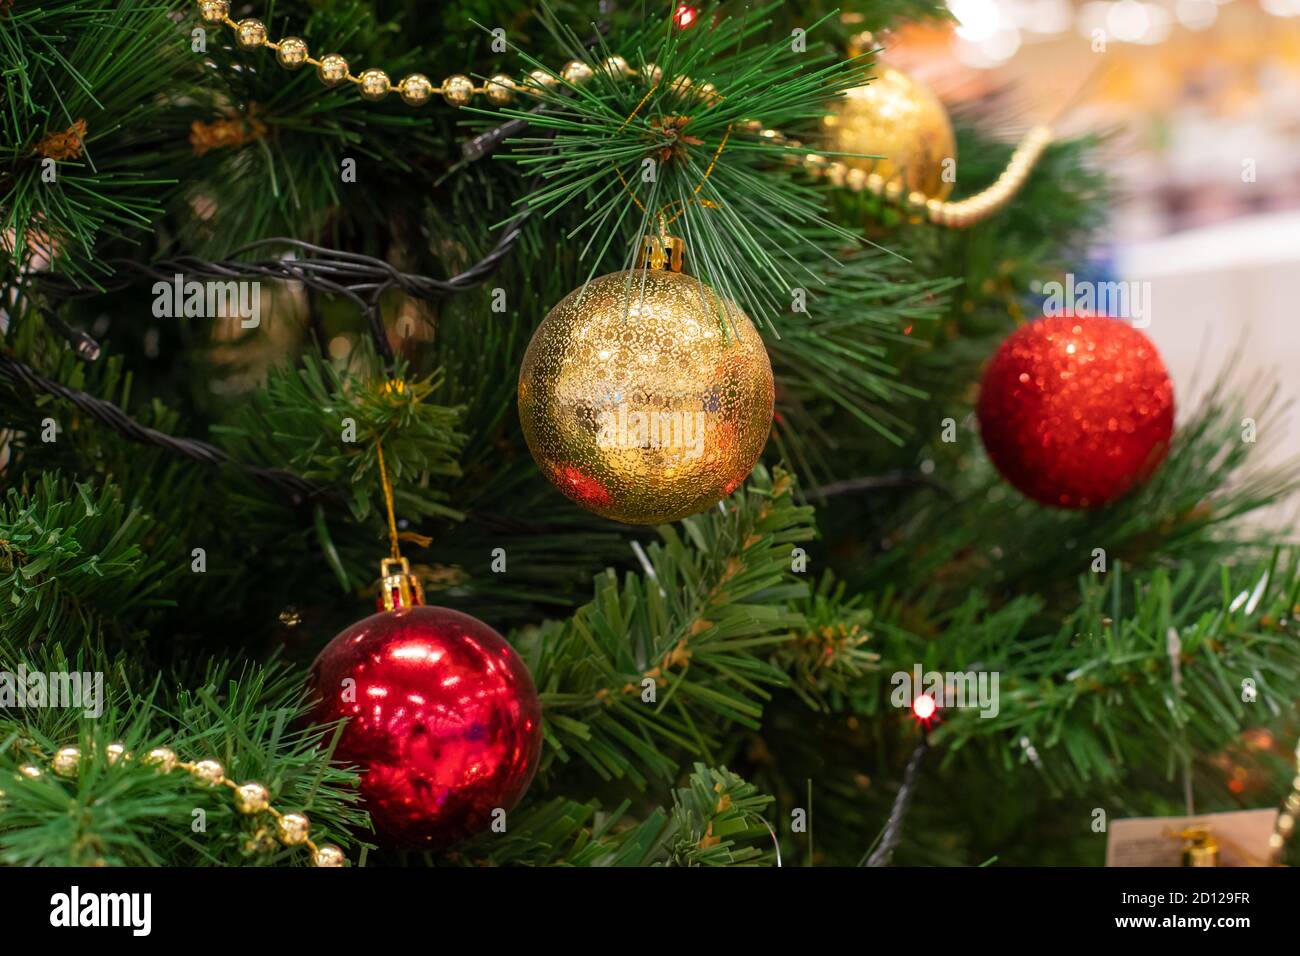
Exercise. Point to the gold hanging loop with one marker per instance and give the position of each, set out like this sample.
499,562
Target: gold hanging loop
398,587
663,252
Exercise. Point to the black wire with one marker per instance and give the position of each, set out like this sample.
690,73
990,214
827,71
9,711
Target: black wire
106,413
902,801
360,278
893,479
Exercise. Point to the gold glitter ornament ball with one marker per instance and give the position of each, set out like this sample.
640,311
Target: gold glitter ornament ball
646,397
895,117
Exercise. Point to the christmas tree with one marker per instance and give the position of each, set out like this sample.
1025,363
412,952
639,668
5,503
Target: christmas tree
642,344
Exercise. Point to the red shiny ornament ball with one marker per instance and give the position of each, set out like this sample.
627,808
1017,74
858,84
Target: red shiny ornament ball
1075,411
443,720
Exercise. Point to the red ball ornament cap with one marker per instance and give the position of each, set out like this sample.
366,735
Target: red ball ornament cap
1075,411
398,587
442,718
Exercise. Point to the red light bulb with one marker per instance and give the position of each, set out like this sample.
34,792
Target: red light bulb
924,707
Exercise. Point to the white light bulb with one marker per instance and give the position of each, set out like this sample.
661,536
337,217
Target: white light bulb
1049,16
978,19
1002,45
1197,14
1128,20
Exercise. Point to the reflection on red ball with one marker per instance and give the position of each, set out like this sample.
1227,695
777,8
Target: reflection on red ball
443,719
1074,411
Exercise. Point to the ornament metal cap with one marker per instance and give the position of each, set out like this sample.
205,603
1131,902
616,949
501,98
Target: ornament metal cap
399,588
1199,847
664,251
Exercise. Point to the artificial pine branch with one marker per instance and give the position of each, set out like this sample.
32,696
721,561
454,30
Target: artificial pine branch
321,422
697,632
125,812
74,561
709,176
1103,694
1190,510
716,819
84,125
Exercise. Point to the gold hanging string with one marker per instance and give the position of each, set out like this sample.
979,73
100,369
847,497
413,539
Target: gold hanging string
696,199
395,550
704,203
399,587
631,116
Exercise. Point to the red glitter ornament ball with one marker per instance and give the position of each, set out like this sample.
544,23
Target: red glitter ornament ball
443,719
1075,411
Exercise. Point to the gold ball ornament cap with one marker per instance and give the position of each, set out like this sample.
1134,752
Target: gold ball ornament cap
646,397
900,119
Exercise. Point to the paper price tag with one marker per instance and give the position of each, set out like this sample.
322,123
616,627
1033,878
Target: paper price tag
1242,837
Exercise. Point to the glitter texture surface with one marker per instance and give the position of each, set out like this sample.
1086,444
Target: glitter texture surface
1074,411
646,397
899,119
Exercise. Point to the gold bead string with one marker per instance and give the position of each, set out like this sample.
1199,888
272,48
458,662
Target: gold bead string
501,89
416,89
958,215
1285,825
292,829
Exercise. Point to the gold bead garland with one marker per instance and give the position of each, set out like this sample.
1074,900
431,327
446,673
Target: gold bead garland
291,53
1286,819
415,90
251,798
459,90
332,69
66,761
500,89
375,84
251,33
214,11
958,215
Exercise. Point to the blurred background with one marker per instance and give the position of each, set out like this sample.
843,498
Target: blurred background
1199,103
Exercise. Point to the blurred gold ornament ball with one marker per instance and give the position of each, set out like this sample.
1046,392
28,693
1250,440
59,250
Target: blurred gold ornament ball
293,828
208,771
214,11
646,397
292,52
250,33
66,761
164,758
895,117
328,855
374,84
252,798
